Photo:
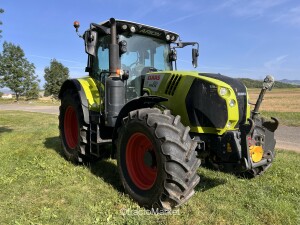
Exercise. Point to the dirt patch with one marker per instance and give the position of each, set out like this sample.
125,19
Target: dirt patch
30,108
288,138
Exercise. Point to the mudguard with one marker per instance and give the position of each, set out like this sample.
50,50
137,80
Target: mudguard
88,93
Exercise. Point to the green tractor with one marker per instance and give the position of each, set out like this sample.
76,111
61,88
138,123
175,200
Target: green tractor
159,122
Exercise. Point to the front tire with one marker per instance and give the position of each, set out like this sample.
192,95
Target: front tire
156,158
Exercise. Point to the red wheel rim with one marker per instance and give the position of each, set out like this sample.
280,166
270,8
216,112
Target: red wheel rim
141,161
71,127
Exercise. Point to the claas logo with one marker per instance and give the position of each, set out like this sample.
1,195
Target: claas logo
154,77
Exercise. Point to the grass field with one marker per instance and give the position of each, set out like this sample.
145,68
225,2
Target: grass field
38,186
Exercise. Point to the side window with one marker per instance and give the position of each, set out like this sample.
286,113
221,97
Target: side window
161,58
103,54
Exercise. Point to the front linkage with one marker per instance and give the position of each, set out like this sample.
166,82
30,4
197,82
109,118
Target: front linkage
248,151
257,137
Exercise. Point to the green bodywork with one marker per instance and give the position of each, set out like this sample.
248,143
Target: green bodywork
176,99
176,102
91,89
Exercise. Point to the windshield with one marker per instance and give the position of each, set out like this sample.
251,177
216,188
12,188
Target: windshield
144,54
143,51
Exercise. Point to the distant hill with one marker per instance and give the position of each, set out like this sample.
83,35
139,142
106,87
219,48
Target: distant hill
295,82
249,83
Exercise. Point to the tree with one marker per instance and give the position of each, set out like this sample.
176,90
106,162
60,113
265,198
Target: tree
1,11
16,72
33,92
54,76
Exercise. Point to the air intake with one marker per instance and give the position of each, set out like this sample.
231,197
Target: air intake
172,84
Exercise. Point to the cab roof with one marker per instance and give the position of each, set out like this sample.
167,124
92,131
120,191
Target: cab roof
124,26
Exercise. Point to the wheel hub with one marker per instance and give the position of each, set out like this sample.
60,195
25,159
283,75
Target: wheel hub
71,127
149,158
141,161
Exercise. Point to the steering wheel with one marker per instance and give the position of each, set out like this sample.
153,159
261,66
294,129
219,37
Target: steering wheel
134,63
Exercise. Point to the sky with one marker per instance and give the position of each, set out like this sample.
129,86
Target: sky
238,38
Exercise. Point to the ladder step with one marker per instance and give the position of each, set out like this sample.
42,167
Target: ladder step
96,142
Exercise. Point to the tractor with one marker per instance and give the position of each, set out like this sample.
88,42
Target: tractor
158,122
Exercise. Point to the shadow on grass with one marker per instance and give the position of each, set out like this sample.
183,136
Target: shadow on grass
5,129
207,183
108,171
105,169
54,144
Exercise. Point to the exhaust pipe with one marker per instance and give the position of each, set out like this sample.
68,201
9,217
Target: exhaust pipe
114,86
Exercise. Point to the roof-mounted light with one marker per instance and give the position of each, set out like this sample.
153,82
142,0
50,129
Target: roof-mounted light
124,27
133,29
168,37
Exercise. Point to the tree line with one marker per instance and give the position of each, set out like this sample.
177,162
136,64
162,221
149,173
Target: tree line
18,74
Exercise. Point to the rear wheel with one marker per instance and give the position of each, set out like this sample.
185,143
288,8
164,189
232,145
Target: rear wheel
157,159
73,129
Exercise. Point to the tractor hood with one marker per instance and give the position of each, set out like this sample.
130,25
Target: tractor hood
207,101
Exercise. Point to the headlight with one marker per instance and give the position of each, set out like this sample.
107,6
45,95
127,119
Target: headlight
223,91
232,103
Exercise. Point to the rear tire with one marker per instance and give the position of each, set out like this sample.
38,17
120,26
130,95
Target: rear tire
156,158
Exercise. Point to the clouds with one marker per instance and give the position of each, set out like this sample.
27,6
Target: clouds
245,8
257,7
275,63
273,11
278,11
290,16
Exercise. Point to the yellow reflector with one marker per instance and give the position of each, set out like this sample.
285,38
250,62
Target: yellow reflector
256,153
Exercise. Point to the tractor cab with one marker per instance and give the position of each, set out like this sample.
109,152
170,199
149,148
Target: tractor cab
139,55
130,50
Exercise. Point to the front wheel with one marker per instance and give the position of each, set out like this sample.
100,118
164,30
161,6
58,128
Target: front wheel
157,159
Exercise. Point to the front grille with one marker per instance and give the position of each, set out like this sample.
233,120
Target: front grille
240,93
172,84
205,107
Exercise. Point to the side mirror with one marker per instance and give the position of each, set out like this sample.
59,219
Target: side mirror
122,47
90,39
195,54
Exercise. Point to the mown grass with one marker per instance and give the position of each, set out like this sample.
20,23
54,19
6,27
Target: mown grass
284,118
38,186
